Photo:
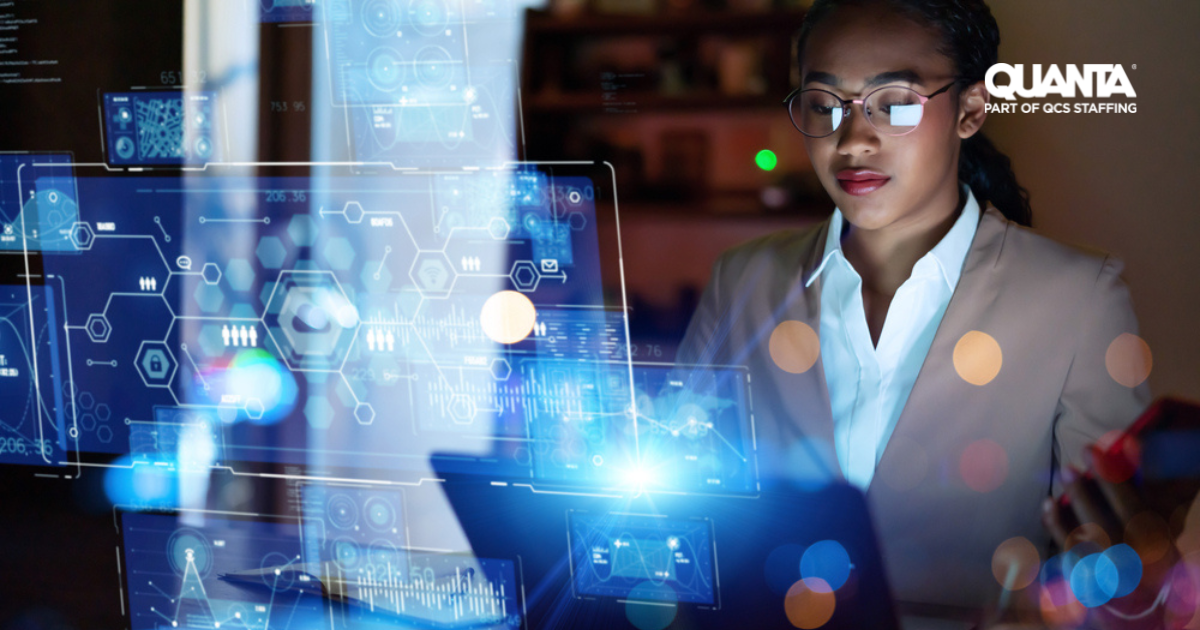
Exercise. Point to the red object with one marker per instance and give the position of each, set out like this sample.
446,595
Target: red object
1120,459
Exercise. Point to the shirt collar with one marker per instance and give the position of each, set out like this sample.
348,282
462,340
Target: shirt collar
949,254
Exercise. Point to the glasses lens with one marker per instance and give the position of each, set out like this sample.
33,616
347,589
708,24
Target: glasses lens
894,111
816,112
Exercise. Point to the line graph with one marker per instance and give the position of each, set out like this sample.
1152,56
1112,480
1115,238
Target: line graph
612,554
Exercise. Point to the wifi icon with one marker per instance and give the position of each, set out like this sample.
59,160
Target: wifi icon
433,274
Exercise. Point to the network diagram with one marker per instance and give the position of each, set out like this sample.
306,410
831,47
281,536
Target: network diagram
380,322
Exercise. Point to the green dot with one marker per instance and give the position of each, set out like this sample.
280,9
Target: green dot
766,160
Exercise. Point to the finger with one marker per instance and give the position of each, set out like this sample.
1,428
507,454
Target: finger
1052,519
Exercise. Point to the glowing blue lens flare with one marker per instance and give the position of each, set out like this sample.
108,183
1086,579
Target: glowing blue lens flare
1088,584
1119,570
827,560
149,484
1058,567
640,477
260,379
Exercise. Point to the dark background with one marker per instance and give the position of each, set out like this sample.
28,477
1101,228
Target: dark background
682,133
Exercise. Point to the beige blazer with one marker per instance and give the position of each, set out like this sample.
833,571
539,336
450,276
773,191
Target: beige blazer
1053,309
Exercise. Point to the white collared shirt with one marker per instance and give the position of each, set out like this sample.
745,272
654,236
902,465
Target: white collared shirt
869,385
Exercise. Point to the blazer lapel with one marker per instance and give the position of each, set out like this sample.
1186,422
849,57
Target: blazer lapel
803,303
971,300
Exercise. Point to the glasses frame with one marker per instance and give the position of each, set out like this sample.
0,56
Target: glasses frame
790,98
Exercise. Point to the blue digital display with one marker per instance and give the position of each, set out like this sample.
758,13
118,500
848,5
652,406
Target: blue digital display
280,11
425,82
33,419
161,127
634,556
176,574
358,529
215,572
693,427
336,322
471,128
39,209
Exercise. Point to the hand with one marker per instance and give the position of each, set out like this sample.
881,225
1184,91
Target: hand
1095,513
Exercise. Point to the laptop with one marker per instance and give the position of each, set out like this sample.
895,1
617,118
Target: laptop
786,556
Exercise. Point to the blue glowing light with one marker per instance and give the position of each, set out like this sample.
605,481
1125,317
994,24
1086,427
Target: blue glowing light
1087,585
1058,567
1119,570
827,560
260,379
142,483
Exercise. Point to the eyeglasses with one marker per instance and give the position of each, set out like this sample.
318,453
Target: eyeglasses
891,110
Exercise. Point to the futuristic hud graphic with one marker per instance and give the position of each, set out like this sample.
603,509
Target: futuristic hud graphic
413,308
634,556
34,422
38,208
401,70
160,127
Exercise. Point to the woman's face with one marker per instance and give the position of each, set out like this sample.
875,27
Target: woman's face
842,55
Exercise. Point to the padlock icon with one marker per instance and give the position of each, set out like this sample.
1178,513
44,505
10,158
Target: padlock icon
156,365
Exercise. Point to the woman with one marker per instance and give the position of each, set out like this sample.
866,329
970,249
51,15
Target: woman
922,343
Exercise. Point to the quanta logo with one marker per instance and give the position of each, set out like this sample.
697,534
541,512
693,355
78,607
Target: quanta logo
1101,80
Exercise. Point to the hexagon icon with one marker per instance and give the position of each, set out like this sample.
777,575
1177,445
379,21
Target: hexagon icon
500,369
303,230
525,276
433,274
98,328
463,409
339,253
240,274
211,273
254,408
271,252
353,211
499,228
319,412
155,364
82,236
311,320
364,413
209,297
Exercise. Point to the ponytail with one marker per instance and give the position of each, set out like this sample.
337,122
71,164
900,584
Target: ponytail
989,174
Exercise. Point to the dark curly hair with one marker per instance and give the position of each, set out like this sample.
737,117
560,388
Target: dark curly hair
970,38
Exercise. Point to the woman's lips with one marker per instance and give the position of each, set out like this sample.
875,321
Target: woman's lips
859,187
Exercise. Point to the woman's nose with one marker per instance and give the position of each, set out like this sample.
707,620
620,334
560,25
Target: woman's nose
857,134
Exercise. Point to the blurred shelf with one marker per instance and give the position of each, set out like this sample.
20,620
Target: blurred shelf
739,207
593,102
725,22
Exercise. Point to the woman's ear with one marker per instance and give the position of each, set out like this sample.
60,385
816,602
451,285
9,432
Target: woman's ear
972,109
